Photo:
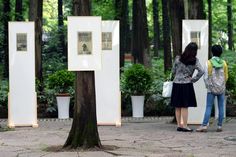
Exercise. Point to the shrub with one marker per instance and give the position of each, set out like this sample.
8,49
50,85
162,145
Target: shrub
3,92
62,81
136,80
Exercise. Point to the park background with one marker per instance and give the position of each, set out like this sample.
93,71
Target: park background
150,34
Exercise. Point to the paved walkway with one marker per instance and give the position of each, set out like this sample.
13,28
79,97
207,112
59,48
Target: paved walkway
149,137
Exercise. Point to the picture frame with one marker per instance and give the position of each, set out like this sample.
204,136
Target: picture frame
21,42
106,40
84,43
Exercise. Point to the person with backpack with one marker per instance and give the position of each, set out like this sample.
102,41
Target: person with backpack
215,77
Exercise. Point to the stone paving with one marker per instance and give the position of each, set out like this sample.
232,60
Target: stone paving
148,137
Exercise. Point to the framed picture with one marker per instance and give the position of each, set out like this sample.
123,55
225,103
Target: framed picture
106,40
196,37
84,43
21,42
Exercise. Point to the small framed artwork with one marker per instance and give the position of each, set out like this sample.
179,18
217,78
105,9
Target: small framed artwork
84,43
21,41
196,37
106,40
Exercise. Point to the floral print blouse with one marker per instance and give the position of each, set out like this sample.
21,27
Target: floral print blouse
184,73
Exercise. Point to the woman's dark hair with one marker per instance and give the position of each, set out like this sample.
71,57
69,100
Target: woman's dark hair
216,50
188,57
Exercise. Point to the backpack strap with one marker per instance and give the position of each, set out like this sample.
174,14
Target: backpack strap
225,70
209,65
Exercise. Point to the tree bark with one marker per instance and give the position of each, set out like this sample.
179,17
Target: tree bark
176,17
210,26
166,36
196,9
230,24
61,35
35,14
186,8
84,132
18,10
156,23
6,18
140,48
122,14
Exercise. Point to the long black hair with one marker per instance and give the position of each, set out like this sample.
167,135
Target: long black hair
188,57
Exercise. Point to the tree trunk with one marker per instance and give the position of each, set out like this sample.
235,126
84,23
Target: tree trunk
6,18
196,9
35,14
18,10
61,45
186,9
140,33
84,132
156,39
176,16
166,36
122,14
210,26
230,24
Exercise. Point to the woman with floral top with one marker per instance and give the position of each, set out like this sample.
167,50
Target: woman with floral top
183,95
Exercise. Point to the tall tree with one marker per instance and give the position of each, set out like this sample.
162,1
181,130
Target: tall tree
61,35
18,10
84,132
176,17
210,26
166,36
122,14
196,9
35,14
140,46
156,39
6,18
230,24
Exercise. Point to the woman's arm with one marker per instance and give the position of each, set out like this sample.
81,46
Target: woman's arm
200,70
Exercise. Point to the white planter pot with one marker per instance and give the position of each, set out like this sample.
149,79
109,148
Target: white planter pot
63,103
137,106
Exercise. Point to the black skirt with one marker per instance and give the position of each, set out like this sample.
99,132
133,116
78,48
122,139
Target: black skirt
183,95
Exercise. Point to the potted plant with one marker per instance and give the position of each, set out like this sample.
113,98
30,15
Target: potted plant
136,81
62,82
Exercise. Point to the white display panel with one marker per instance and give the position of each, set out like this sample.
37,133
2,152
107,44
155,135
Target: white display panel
197,31
107,80
22,102
84,43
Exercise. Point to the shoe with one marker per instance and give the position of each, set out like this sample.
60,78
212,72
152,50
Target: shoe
201,129
187,130
179,129
219,129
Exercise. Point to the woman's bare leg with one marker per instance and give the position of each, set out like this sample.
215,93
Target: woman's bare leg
184,114
178,116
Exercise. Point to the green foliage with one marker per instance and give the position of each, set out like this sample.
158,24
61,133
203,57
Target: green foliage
3,92
229,56
156,104
62,81
136,80
104,8
52,63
